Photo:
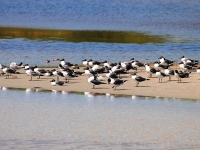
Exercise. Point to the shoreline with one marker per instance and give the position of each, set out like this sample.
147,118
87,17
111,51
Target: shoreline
187,89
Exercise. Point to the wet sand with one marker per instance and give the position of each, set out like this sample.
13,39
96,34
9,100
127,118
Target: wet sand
188,89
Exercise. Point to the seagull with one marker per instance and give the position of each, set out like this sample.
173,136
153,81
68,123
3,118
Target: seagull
109,65
138,79
118,70
100,78
57,73
56,83
127,66
49,73
85,62
68,73
95,67
99,69
89,72
160,75
94,81
27,67
158,65
63,62
15,66
187,60
135,64
31,73
112,75
8,71
165,61
180,75
116,82
149,69
39,71
91,63
185,67
168,72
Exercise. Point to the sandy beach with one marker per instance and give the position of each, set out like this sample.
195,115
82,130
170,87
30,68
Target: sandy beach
187,89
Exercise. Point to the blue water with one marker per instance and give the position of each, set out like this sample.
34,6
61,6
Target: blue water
161,17
58,121
39,120
36,53
178,19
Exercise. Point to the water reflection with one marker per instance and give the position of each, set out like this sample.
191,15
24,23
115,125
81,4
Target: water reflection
81,35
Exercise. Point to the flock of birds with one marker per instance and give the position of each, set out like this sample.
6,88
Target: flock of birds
93,69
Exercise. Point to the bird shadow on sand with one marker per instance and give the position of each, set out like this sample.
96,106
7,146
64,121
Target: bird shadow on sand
98,88
183,82
36,80
141,86
120,89
163,82
72,82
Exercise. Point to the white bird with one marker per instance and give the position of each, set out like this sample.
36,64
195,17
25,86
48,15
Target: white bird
169,72
15,66
160,75
165,62
85,62
95,67
150,70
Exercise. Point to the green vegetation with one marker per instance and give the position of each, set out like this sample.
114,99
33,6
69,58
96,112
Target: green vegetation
80,35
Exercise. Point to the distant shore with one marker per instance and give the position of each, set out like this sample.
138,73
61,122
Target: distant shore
188,89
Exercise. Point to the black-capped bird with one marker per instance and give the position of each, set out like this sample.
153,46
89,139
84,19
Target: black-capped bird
138,79
94,81
116,82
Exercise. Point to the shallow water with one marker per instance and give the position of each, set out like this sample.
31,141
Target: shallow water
36,53
41,120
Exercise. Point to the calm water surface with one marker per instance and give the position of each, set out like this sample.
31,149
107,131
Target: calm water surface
37,120
178,19
36,53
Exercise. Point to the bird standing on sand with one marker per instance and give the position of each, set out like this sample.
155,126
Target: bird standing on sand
116,82
57,73
168,72
138,79
8,71
31,73
94,81
40,71
160,75
181,75
150,70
